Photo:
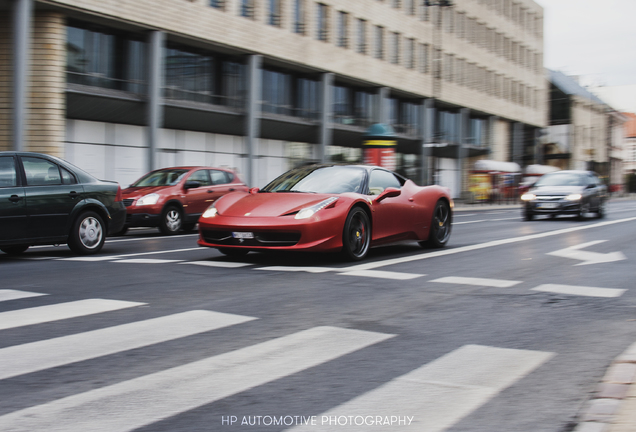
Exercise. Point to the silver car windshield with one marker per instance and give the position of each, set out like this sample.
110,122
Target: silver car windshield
561,179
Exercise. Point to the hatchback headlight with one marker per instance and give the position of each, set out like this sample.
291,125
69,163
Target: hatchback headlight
150,199
573,197
310,211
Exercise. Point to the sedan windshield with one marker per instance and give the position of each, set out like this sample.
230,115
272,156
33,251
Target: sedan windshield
561,179
168,177
321,179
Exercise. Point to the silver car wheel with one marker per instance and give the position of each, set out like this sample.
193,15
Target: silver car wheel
90,232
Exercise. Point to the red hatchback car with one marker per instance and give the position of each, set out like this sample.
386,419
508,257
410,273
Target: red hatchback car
172,199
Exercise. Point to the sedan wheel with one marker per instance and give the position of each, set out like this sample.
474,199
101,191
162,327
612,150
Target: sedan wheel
87,236
600,212
356,236
440,226
171,221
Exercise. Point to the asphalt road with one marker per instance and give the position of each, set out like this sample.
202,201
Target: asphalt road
508,328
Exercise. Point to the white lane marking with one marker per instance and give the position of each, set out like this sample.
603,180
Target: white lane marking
221,264
497,283
36,356
437,395
88,258
108,241
37,258
575,252
444,252
114,257
463,215
146,261
580,290
298,269
9,294
133,404
61,311
486,220
382,274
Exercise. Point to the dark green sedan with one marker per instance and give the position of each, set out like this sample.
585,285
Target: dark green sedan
45,200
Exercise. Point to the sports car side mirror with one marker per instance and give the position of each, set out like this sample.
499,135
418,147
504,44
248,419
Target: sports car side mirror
254,190
389,192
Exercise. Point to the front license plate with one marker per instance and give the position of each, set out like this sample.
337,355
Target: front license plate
547,205
243,235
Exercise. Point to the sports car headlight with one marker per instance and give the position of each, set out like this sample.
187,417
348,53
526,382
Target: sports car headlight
210,212
528,197
310,211
573,197
150,199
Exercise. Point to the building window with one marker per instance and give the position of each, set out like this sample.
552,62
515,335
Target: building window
362,37
274,13
343,30
299,17
322,21
247,9
425,14
105,58
218,4
409,54
424,58
277,93
379,42
395,48
409,7
396,4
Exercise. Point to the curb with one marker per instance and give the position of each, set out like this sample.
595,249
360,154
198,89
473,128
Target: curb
611,408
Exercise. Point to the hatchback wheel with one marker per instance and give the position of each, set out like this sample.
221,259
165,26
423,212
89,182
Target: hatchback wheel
88,234
171,220
356,235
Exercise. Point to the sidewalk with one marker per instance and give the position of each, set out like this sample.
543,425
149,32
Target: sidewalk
612,408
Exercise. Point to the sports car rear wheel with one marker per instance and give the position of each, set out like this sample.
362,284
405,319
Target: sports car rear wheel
440,226
356,236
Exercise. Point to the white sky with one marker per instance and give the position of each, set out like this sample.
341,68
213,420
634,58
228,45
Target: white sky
594,39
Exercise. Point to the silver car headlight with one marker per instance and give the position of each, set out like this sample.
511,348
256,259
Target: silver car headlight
573,197
528,197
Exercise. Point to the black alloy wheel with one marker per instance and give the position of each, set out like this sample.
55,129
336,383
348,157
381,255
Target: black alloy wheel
356,236
440,226
600,212
88,234
528,215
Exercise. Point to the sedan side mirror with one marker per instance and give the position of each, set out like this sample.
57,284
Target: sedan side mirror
191,185
389,192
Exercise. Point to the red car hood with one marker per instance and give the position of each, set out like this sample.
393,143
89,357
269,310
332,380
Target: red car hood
136,192
266,204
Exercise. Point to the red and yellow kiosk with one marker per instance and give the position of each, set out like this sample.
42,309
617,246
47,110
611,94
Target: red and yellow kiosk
379,146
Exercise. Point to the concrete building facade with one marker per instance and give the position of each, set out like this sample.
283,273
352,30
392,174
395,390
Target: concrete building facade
120,87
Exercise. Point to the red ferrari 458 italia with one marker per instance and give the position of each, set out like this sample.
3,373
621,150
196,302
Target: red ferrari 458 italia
328,208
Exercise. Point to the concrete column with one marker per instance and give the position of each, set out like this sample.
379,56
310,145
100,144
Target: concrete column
381,108
22,17
156,66
538,148
427,119
492,122
253,115
464,116
325,115
517,143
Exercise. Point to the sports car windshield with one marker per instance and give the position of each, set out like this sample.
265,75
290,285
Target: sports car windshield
168,177
565,179
312,179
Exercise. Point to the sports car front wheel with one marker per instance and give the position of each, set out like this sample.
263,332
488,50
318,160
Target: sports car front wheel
440,226
356,236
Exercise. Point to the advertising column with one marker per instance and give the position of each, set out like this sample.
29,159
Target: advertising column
379,146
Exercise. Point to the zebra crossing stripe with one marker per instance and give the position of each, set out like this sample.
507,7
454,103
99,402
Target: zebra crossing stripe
36,356
142,401
435,396
56,312
381,274
496,283
580,290
9,294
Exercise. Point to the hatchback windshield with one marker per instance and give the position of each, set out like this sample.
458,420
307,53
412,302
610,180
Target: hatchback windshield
168,177
332,179
561,179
